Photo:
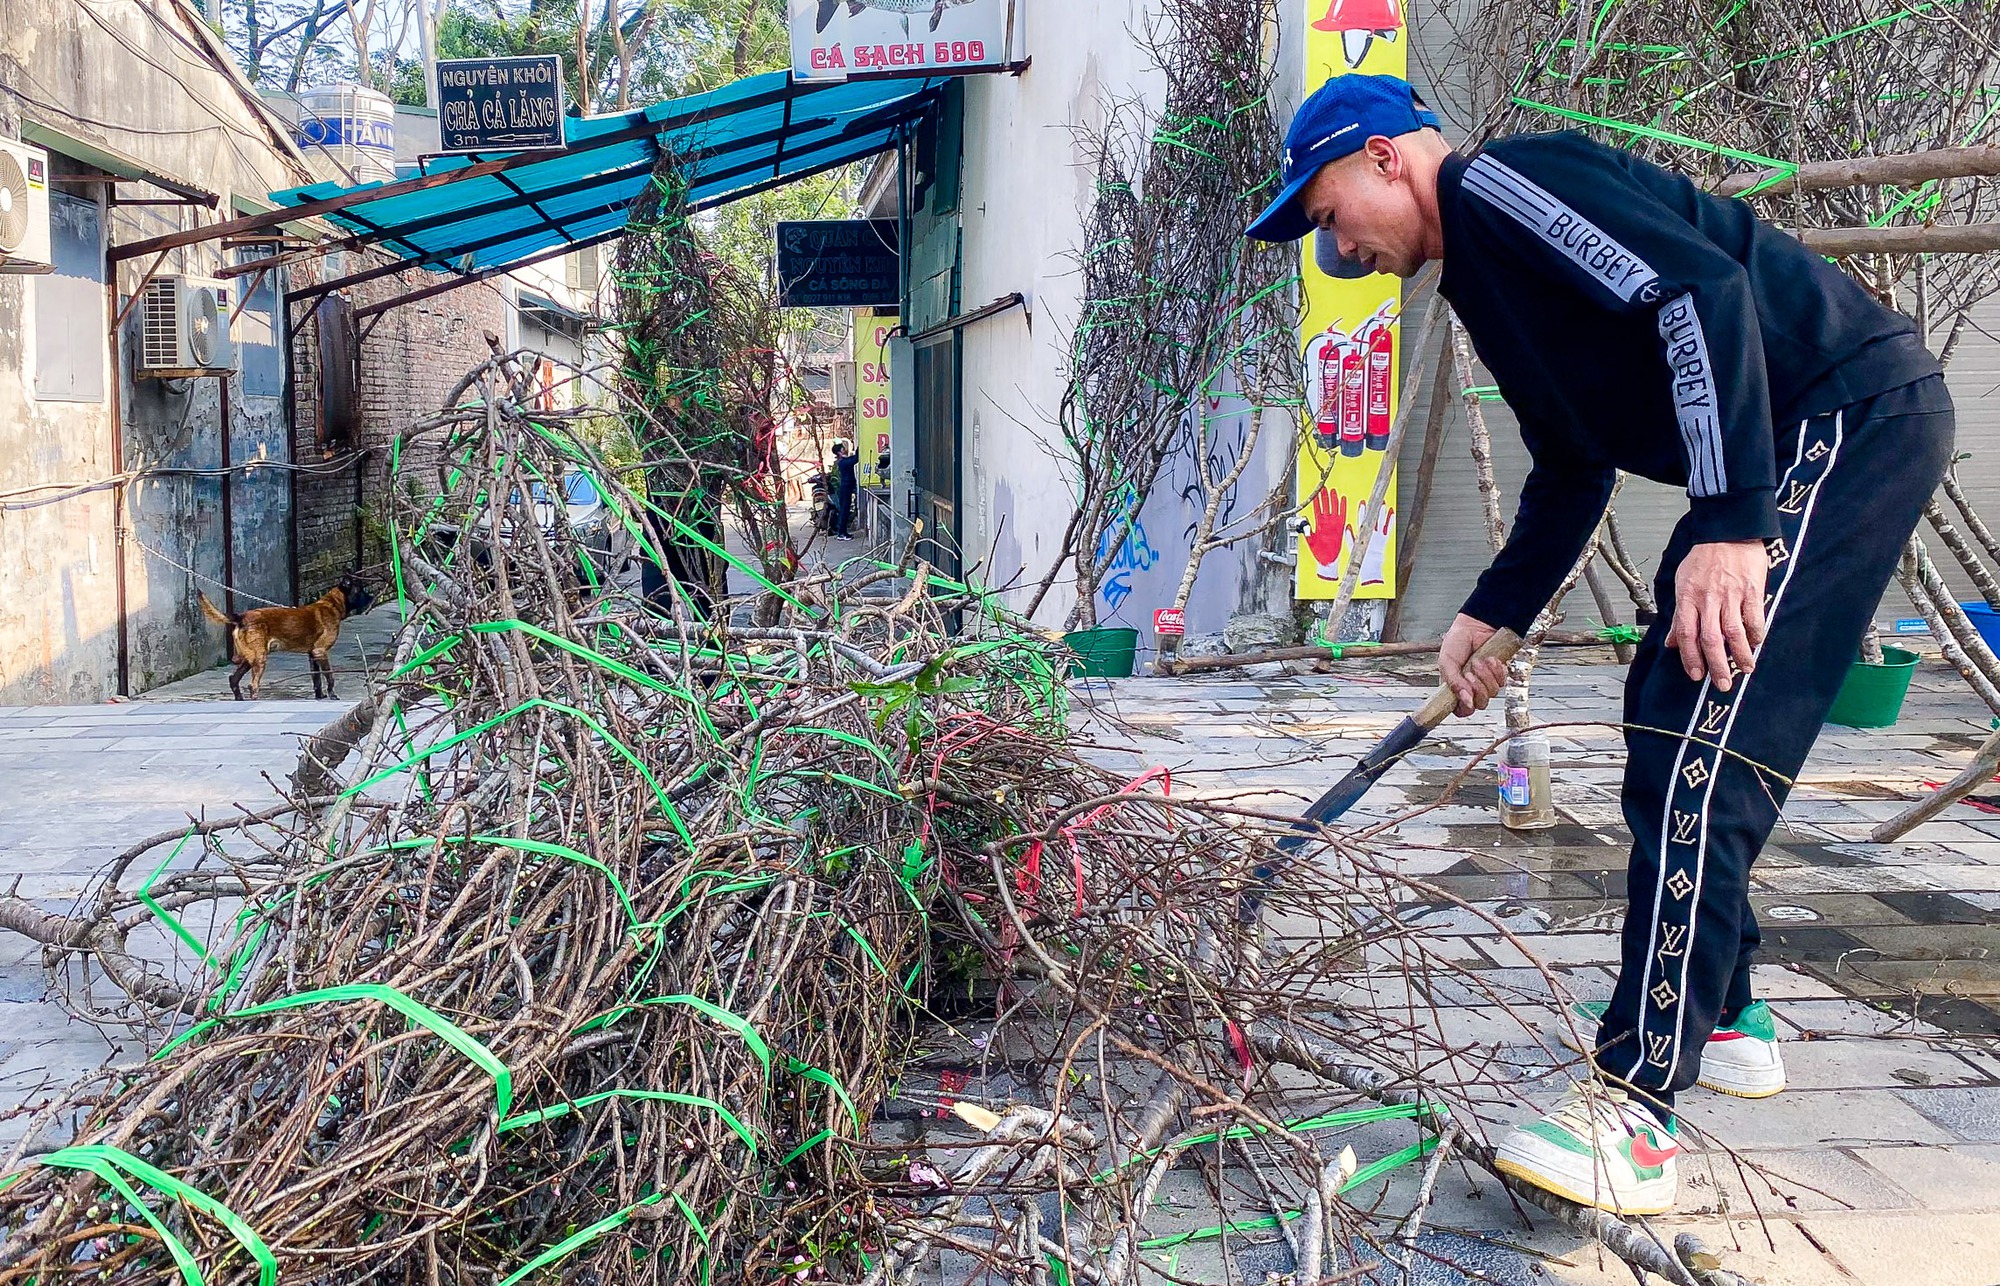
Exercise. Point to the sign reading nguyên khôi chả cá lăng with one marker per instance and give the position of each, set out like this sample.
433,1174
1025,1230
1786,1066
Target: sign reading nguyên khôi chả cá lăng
839,39
500,104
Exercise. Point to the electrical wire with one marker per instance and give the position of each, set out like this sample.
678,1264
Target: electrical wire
176,563
201,60
10,502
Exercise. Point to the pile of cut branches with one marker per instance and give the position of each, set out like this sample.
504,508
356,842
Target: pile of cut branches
593,944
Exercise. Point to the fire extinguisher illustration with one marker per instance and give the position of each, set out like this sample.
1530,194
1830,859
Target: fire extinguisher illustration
1353,391
1381,353
1326,428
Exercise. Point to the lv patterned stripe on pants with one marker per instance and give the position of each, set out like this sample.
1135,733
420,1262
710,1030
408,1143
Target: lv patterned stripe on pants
1706,770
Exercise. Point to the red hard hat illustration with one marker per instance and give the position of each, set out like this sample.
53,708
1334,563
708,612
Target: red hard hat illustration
1362,15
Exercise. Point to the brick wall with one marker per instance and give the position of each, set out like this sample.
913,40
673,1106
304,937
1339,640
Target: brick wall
409,363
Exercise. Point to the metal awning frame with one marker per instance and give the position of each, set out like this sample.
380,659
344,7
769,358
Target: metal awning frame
486,274
764,153
415,257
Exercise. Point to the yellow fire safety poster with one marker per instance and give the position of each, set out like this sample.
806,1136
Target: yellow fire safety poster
1352,334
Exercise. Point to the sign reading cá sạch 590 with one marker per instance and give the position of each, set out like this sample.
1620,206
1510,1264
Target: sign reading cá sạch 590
853,39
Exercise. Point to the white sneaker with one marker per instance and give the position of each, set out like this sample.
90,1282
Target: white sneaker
1741,1060
1599,1149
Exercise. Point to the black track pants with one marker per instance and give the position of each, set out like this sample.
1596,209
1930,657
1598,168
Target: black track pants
1854,485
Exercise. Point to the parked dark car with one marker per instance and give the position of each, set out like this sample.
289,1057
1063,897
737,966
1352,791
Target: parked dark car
596,528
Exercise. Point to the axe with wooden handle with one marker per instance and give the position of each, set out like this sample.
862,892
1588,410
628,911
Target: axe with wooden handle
1402,739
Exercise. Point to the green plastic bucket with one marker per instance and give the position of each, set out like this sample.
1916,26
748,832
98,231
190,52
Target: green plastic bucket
1103,653
1872,695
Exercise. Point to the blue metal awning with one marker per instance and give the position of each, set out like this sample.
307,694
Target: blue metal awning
733,142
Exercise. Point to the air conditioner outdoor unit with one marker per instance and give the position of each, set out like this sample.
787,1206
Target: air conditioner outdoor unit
24,208
184,328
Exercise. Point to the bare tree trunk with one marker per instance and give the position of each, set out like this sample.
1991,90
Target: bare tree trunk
1435,427
1522,667
253,63
1955,238
1962,646
744,31
1644,605
583,95
1982,579
315,27
359,18
1607,607
1902,169
1871,645
1971,778
1435,310
1217,490
1064,550
622,52
1482,439
1973,522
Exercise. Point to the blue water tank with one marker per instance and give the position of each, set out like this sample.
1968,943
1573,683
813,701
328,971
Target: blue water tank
352,126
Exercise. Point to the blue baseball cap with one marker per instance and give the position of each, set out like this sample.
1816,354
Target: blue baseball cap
1338,120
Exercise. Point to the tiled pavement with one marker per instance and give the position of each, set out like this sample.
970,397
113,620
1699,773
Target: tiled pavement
1880,1166
1881,1163
79,784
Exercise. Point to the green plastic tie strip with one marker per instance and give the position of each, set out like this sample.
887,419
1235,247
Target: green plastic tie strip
239,966
1330,1121
106,1162
559,1110
167,918
1663,136
694,1220
583,1237
540,847
857,742
689,533
596,658
855,933
800,1068
734,1022
414,1010
805,1147
659,793
1418,1149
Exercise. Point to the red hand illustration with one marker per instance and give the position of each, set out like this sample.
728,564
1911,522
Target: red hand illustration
1329,530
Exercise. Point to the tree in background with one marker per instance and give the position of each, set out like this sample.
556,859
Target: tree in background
616,55
288,44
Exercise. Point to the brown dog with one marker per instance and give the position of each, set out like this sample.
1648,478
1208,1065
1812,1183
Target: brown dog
312,629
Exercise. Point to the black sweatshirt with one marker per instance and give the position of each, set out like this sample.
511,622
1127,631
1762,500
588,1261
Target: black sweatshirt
1634,322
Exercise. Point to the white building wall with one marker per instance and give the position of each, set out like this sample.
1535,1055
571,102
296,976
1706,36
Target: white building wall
1026,191
146,84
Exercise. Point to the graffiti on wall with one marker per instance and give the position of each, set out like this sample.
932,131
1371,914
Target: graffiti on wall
1135,552
1218,427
